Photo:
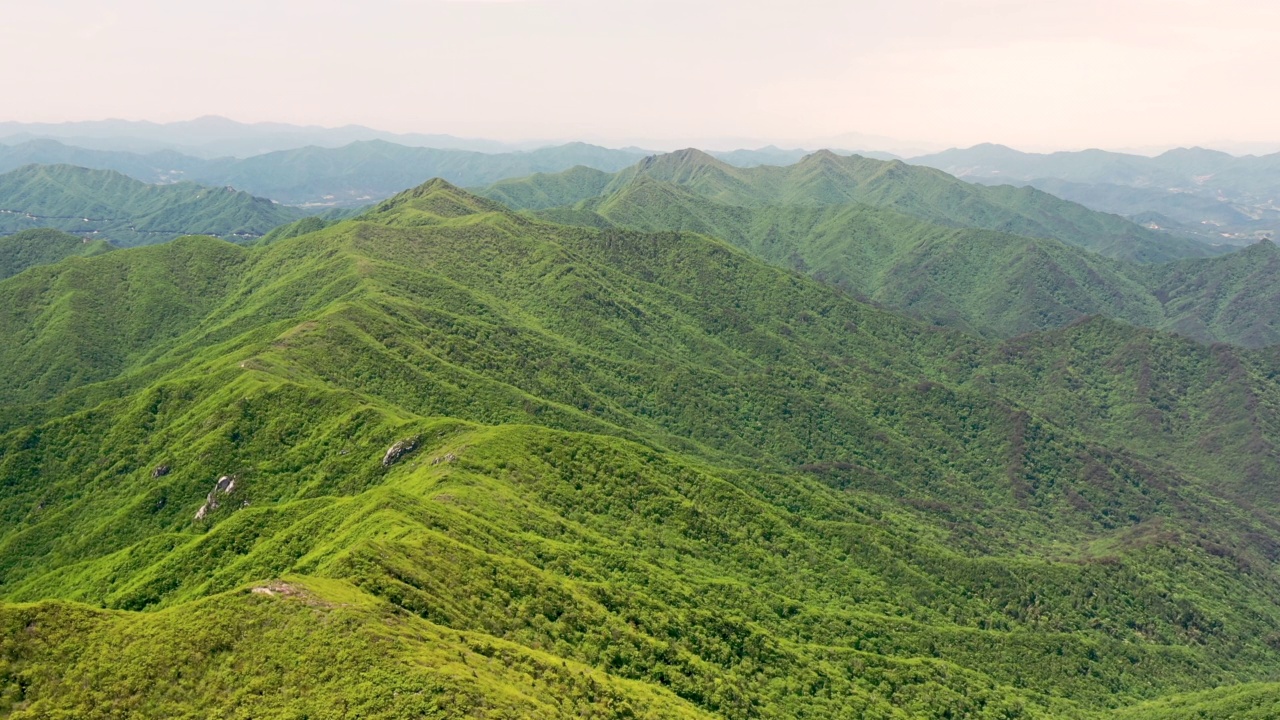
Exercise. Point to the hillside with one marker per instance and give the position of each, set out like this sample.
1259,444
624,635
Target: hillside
29,248
1232,298
107,205
824,178
448,460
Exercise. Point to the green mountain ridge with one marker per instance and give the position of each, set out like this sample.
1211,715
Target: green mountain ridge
981,281
824,178
109,205
447,460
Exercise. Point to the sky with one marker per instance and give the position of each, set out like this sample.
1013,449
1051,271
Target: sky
1033,74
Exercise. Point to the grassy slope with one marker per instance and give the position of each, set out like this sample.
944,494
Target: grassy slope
647,454
127,212
43,246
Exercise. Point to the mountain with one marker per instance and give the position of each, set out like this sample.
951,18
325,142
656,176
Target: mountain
992,283
29,248
1212,194
824,178
976,280
445,459
107,205
980,281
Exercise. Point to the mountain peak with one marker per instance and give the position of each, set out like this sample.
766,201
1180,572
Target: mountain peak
1265,247
823,154
686,158
436,199
1195,152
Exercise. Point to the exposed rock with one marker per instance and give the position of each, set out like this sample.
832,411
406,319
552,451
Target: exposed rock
160,471
399,450
284,590
225,486
444,459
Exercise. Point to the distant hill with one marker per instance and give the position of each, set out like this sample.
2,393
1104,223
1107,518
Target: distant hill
1210,193
824,178
111,206
42,246
152,168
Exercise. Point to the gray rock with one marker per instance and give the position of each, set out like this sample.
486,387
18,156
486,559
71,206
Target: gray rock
225,486
398,451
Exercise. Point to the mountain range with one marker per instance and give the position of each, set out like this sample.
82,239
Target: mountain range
445,459
352,175
825,179
935,265
909,243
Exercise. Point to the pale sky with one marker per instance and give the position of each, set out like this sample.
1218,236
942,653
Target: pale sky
1034,74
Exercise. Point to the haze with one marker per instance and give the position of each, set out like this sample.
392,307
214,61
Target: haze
1037,74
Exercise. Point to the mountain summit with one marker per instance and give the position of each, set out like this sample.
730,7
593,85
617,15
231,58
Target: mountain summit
434,201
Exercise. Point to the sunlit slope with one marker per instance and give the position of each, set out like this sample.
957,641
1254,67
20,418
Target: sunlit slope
482,454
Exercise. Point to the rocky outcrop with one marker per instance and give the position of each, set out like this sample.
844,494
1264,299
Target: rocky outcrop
398,451
225,486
